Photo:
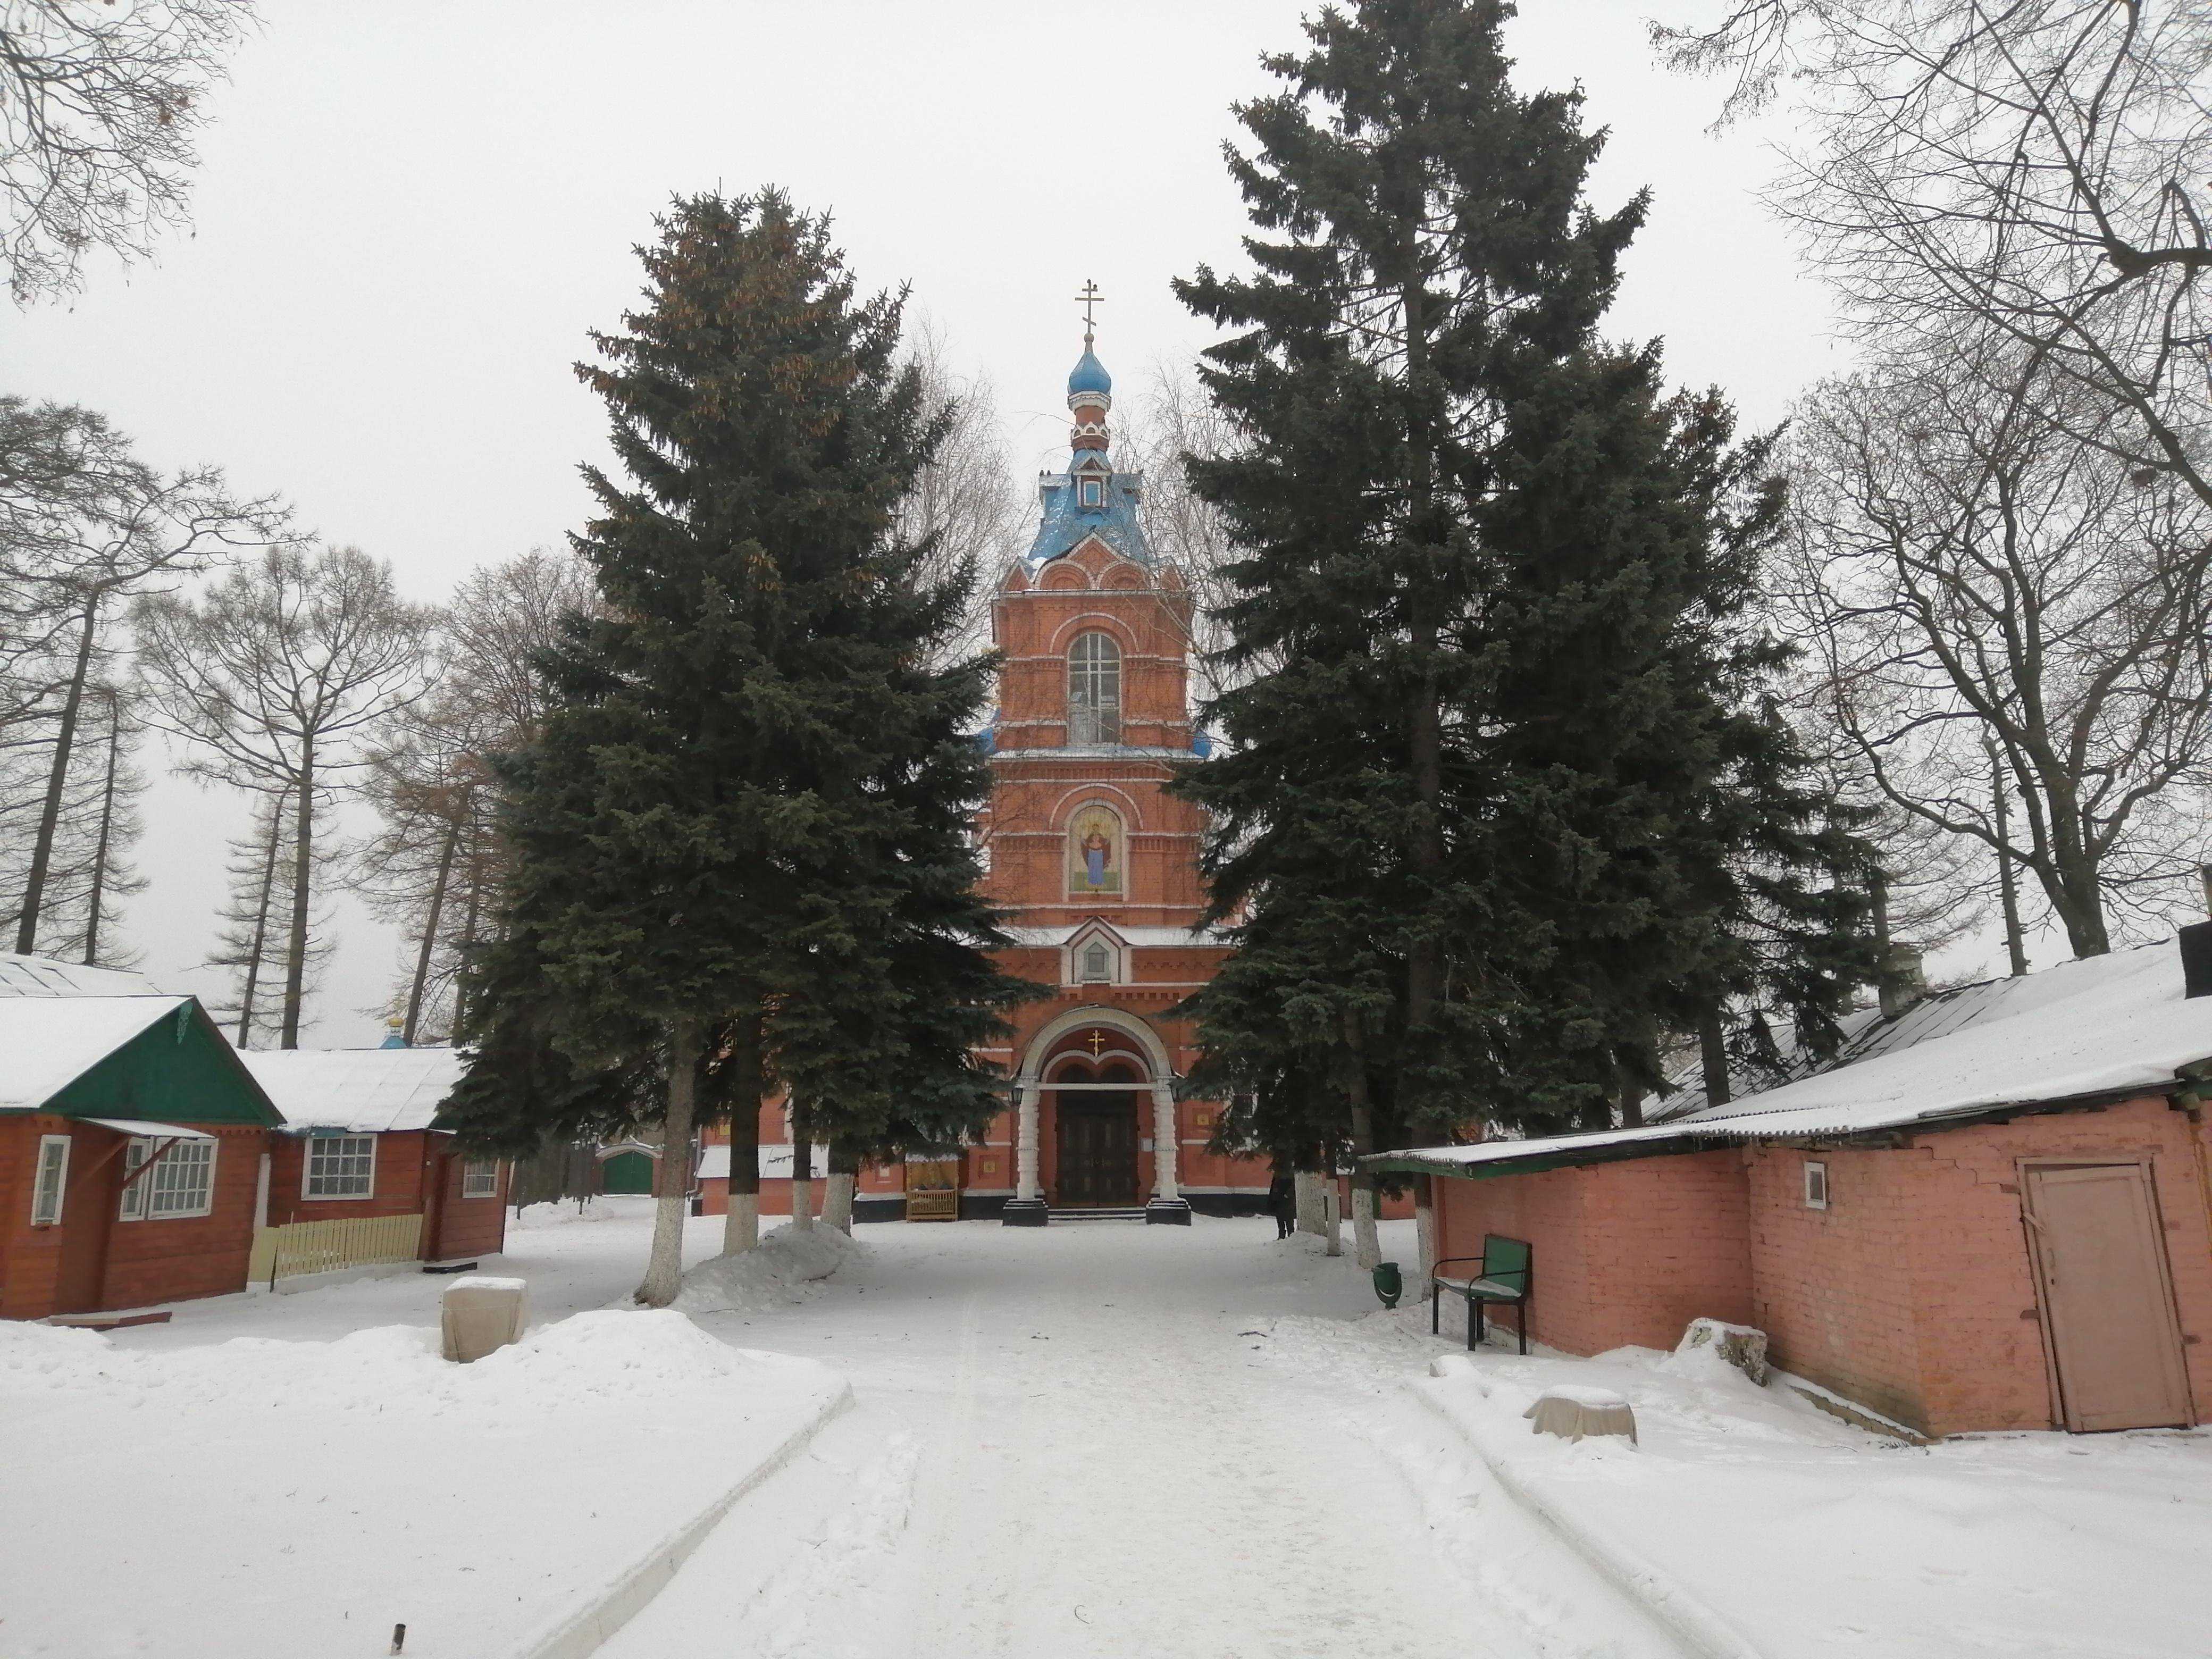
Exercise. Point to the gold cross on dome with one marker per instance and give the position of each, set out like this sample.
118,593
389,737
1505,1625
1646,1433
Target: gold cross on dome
1088,299
1097,1043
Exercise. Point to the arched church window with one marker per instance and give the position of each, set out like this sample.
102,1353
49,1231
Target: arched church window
1094,852
1094,690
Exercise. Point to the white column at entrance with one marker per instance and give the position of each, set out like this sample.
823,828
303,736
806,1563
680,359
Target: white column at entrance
1168,1202
1026,1187
1026,1208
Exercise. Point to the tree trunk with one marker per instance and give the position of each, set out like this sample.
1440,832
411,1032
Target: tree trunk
837,1194
1367,1250
802,1170
664,1274
430,931
98,897
468,939
260,947
1712,1056
1424,956
1306,1185
1424,1235
2007,886
741,1226
303,852
42,846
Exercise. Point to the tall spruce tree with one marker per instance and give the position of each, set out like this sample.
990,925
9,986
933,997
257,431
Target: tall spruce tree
745,802
1426,262
1482,659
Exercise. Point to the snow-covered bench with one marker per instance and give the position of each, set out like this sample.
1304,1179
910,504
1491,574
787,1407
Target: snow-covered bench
1504,1271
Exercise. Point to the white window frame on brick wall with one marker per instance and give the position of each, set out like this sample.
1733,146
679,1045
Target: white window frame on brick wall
50,1182
337,1146
480,1177
180,1186
1816,1184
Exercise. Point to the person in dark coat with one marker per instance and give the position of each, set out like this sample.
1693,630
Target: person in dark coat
1283,1203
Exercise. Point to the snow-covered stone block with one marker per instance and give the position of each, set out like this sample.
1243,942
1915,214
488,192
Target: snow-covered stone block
1570,1413
1742,1346
480,1313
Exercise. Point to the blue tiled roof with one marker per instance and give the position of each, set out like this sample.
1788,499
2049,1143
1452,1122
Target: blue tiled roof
1089,376
1065,524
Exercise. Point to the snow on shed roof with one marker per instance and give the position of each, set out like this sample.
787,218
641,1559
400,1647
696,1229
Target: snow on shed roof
2103,1025
774,1161
43,977
51,1039
365,1090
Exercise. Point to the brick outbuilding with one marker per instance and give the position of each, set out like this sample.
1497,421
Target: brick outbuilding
2007,1226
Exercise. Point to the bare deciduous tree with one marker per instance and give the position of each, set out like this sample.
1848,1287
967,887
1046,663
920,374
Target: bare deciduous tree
967,497
278,676
436,859
1962,570
100,105
2034,172
85,526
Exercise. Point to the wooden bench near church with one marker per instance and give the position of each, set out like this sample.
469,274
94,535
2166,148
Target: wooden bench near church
1504,1271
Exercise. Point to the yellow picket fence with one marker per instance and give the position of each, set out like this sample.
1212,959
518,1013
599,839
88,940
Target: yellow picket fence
321,1247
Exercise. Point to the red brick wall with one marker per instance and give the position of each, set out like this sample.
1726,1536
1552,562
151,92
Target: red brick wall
1913,1293
1624,1253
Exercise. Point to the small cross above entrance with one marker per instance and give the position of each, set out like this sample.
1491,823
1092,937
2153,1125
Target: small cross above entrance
1097,1043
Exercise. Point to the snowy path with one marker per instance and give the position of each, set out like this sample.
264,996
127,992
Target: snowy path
1103,1439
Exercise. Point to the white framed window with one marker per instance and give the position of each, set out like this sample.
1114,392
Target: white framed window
1816,1185
1094,690
340,1166
1094,493
52,1182
480,1178
181,1184
1098,963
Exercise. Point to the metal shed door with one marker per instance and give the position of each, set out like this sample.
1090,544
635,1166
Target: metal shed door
2107,1302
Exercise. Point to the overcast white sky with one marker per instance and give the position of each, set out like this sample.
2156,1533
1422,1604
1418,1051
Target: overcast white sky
409,215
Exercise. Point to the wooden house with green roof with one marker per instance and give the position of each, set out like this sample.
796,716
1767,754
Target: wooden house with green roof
132,1145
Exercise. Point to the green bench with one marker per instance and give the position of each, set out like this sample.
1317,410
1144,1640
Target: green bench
1503,1271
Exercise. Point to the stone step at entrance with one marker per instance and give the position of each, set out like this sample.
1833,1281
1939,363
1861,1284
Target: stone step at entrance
1102,1213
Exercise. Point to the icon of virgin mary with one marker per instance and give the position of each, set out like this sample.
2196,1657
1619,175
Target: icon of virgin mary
1092,865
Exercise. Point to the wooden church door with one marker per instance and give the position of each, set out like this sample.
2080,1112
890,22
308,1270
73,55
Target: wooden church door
1097,1148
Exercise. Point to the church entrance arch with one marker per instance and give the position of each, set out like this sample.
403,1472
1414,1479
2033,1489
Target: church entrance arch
1083,1134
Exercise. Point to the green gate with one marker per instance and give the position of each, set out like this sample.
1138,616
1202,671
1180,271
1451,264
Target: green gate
626,1172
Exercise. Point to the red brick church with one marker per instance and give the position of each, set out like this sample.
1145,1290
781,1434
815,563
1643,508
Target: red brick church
1098,865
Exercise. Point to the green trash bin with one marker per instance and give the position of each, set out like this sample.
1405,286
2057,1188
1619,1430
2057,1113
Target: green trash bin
1390,1283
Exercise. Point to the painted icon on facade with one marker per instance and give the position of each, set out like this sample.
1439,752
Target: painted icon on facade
1094,851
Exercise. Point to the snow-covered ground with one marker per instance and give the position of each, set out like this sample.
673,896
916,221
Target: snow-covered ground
1813,1539
276,1477
1096,1439
1090,1440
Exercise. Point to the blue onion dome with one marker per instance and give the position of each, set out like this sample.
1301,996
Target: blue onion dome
1089,375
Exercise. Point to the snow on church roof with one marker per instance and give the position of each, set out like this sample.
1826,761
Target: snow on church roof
2101,1026
362,1090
